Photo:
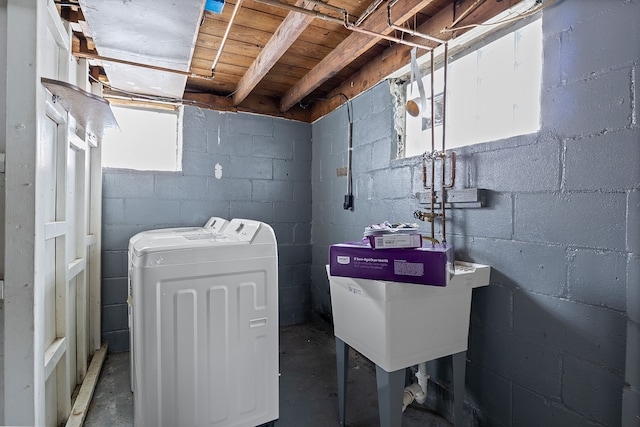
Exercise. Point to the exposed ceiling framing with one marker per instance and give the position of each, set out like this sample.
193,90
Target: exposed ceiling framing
276,58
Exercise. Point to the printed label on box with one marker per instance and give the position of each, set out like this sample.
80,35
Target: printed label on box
396,241
370,263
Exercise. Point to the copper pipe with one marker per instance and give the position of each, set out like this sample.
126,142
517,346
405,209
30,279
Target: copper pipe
443,201
426,216
433,142
444,94
433,196
424,171
433,107
453,170
443,156
443,194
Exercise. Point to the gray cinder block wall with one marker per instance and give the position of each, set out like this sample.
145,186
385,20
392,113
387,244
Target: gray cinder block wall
3,149
266,164
555,339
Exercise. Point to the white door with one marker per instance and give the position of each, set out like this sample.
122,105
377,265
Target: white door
51,224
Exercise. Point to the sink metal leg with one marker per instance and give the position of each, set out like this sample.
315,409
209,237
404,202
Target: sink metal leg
390,388
459,367
342,362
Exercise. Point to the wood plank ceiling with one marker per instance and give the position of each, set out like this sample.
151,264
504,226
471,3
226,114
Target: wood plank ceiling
279,61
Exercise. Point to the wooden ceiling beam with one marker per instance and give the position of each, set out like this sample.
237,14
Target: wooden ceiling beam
252,104
352,47
286,34
397,56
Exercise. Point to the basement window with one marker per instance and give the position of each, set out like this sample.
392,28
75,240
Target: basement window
149,139
493,93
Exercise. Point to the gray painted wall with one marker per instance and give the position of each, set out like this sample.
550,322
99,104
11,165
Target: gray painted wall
3,146
266,176
555,339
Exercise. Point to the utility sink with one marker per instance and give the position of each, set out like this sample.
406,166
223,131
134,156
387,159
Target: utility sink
397,325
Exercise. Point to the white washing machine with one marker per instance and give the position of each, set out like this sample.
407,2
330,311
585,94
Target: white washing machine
205,327
214,225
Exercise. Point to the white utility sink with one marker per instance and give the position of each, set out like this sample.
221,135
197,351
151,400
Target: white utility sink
397,325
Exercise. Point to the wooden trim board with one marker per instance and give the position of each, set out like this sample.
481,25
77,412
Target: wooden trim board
81,405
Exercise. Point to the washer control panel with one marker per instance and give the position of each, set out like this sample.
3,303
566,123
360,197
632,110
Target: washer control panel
242,229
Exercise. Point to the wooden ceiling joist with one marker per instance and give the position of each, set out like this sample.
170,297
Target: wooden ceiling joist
286,34
275,60
352,47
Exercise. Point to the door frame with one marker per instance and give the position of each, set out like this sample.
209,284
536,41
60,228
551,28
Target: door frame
29,359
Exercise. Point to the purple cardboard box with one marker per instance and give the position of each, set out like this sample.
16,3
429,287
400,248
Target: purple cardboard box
431,264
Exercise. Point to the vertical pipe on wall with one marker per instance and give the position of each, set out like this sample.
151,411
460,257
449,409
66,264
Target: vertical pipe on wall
443,197
433,147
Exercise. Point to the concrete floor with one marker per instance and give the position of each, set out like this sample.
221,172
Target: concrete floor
308,390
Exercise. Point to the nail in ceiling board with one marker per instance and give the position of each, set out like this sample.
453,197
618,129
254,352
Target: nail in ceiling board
161,33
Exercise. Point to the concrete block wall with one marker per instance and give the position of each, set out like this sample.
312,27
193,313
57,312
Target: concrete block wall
555,339
266,176
3,149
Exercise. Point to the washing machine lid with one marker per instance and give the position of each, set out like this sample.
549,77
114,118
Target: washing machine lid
166,242
237,232
214,225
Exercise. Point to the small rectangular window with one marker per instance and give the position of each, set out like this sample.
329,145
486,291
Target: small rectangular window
493,93
148,139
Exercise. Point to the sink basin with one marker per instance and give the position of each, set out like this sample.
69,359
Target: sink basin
397,325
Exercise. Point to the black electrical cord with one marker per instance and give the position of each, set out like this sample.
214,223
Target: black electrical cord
348,198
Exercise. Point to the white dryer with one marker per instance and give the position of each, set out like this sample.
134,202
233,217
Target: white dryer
205,327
